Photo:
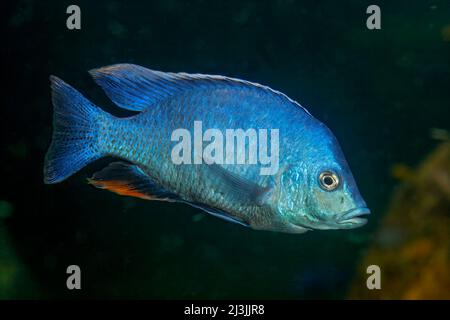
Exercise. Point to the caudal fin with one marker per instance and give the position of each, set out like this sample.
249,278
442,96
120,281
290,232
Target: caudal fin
75,129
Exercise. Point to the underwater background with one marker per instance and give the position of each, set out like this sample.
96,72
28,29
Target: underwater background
385,94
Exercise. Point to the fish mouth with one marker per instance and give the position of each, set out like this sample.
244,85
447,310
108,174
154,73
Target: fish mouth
352,218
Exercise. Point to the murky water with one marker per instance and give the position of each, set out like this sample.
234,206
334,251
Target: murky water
380,91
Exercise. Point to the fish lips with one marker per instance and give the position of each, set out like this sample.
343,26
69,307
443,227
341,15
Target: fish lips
352,218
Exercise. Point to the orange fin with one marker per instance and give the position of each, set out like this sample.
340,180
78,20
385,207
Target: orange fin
119,187
130,180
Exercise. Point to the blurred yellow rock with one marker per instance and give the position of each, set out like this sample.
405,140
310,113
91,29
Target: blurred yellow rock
412,245
445,32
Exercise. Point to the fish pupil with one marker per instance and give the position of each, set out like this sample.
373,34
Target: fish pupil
328,181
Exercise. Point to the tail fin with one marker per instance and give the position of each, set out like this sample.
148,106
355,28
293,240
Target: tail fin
75,130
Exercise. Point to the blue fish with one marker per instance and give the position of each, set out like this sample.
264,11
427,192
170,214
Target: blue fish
310,186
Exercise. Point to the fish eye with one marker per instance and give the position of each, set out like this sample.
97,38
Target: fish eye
329,180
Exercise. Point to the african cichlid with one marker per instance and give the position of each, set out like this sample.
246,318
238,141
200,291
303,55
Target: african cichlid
312,189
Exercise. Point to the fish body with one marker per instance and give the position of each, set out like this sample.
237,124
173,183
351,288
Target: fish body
298,196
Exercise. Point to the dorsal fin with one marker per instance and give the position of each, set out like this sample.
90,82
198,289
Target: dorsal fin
129,180
136,88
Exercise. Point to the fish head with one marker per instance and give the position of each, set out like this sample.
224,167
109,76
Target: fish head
321,192
334,201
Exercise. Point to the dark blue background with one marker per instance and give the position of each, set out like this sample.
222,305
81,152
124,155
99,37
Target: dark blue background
379,91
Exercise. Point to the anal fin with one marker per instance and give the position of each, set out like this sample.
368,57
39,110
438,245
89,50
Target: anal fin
130,180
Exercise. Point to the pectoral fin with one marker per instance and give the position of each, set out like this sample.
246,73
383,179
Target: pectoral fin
240,187
130,180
